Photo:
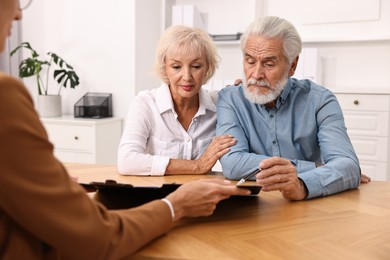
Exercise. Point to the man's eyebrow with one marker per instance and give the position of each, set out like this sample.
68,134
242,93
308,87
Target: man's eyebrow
248,55
272,58
269,58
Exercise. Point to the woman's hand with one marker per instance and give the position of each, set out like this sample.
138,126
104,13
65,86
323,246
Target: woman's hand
218,147
237,82
365,179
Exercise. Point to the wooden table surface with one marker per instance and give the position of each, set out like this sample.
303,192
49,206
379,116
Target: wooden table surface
350,225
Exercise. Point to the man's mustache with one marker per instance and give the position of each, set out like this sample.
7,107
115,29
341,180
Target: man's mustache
261,83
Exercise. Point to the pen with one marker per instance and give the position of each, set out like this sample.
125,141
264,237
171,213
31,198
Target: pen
250,175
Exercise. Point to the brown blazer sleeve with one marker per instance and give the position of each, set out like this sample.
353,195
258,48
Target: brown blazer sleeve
42,211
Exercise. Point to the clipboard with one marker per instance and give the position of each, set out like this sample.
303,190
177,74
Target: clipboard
120,195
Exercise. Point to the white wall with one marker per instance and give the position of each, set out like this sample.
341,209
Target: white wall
112,44
355,66
352,37
101,40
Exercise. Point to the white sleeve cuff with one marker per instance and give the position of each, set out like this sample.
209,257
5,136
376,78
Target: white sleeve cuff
170,207
159,165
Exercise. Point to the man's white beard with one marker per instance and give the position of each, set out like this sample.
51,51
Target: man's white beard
255,97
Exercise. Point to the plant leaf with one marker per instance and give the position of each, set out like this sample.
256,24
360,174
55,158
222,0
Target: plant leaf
27,68
59,61
30,67
26,45
66,78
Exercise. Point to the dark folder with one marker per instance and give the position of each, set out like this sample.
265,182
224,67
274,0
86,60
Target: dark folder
119,195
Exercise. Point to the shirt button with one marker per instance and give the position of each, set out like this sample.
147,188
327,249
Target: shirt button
188,139
274,142
271,116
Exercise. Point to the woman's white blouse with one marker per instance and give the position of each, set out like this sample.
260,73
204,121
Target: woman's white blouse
153,135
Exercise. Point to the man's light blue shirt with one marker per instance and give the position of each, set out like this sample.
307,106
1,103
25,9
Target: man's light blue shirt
306,126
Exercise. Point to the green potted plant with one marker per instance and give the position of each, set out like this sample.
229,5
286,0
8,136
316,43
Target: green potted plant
64,75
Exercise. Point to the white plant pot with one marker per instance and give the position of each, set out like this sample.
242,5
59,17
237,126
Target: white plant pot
49,105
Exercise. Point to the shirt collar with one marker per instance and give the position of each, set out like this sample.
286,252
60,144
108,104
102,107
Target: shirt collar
286,91
283,96
206,102
164,100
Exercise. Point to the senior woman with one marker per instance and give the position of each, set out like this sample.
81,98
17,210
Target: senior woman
171,129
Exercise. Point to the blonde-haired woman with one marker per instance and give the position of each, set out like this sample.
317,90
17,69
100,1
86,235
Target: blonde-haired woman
171,129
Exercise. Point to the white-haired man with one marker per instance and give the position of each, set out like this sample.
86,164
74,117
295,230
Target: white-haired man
293,130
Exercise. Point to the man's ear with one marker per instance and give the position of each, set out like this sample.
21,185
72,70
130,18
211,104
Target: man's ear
293,67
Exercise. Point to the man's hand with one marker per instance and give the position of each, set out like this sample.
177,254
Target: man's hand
218,147
200,198
365,179
280,174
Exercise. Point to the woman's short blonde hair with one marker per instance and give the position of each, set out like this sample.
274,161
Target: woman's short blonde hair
179,40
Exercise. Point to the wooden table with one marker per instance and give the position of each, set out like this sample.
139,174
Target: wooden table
351,225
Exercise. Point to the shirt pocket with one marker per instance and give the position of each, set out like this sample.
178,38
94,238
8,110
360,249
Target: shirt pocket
163,148
201,146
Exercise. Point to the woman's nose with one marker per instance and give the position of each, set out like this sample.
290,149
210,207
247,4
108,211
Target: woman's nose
186,74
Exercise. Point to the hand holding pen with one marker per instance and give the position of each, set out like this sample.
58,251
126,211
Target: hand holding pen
250,175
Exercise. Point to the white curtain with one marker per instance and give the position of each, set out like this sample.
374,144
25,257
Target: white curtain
7,64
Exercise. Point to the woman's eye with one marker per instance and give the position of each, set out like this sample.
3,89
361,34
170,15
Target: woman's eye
196,66
176,67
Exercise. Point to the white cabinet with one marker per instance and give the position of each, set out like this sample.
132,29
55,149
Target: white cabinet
335,20
317,21
84,140
344,32
367,121
219,16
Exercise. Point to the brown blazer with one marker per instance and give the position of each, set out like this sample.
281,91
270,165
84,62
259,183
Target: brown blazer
43,214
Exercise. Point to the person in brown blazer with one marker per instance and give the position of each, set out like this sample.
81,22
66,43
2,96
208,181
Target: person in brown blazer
45,215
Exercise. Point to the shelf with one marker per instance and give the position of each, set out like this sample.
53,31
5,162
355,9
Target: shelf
381,38
384,39
219,43
321,41
367,91
217,21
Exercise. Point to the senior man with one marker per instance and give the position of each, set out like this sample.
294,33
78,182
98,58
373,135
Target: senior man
293,130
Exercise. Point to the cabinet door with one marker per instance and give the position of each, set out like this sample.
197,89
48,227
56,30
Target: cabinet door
84,140
376,170
367,123
335,20
364,102
366,115
74,137
219,16
72,156
370,148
